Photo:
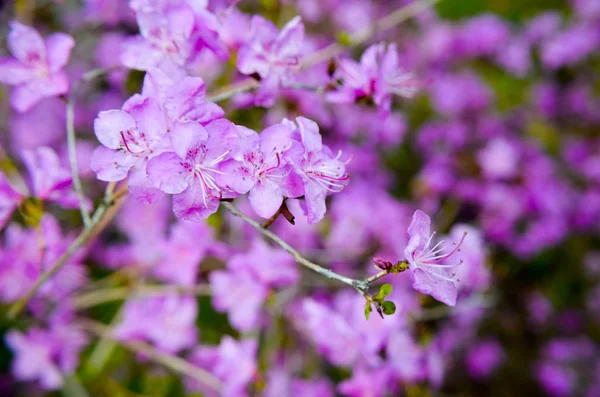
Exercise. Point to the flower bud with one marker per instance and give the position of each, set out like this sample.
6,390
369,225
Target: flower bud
382,263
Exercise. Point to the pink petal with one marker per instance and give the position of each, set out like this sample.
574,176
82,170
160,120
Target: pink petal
167,173
290,40
14,72
24,97
59,47
309,131
315,202
275,139
443,290
26,44
141,188
186,138
111,165
265,198
109,125
190,205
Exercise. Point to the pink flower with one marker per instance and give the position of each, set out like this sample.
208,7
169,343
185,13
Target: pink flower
46,355
319,170
193,171
36,69
180,97
130,137
49,181
378,75
271,54
167,321
233,362
171,35
426,260
263,170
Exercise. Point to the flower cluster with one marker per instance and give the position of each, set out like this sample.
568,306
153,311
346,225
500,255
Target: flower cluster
178,183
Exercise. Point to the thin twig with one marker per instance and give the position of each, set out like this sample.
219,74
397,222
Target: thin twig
73,158
98,297
233,89
361,285
377,276
272,219
174,363
71,140
85,235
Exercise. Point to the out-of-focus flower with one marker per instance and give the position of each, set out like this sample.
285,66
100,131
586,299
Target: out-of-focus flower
483,358
167,321
570,46
36,71
233,362
242,289
378,75
46,355
366,382
271,54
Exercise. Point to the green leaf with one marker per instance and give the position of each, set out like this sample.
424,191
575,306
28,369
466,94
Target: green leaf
385,289
368,310
389,308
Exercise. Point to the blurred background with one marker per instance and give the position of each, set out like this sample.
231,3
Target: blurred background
503,141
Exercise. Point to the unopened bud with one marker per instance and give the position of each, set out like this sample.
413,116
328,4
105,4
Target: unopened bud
382,263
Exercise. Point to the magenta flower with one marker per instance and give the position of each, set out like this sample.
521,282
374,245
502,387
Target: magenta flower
320,171
262,169
23,259
180,97
46,355
36,69
49,181
130,137
483,358
406,357
171,34
271,54
240,295
192,172
426,260
269,266
378,75
241,290
233,362
165,36
167,321
365,381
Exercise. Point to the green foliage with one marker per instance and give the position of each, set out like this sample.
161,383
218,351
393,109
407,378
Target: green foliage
384,291
389,308
368,310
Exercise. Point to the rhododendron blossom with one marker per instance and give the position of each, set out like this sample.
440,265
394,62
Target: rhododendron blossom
36,71
235,198
427,260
